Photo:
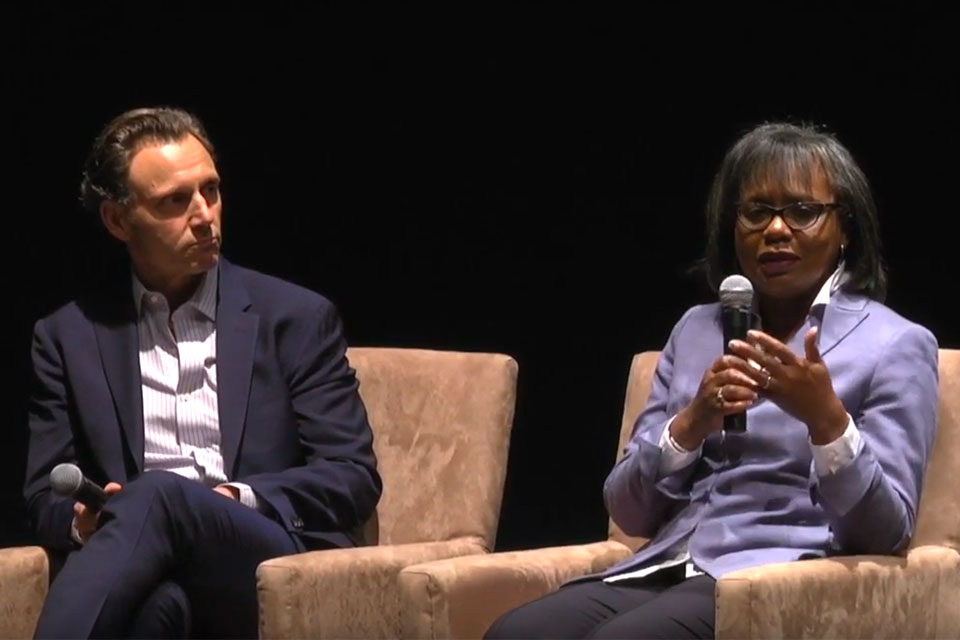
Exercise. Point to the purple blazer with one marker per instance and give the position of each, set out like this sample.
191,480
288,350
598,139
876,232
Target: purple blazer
755,498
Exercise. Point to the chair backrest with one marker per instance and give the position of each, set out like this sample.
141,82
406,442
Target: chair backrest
938,517
638,389
441,422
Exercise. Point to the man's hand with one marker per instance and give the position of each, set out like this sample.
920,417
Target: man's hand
85,519
226,490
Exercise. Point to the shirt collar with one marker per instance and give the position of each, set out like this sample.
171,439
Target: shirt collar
204,299
836,280
831,286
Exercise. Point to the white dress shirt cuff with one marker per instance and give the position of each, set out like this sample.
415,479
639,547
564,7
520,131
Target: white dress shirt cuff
673,457
74,533
833,456
247,497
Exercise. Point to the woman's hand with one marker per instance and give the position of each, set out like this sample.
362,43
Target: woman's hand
800,386
727,387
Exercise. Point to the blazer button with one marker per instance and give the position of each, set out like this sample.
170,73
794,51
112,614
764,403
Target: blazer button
297,523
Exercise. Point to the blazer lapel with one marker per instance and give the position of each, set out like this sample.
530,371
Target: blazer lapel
841,316
236,346
118,342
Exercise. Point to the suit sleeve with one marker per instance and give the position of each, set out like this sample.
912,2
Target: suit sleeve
872,501
338,487
638,498
50,443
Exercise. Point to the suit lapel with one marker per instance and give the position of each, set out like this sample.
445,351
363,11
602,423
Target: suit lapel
844,314
118,342
236,347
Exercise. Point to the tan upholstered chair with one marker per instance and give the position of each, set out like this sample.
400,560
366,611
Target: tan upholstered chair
916,596
441,423
24,577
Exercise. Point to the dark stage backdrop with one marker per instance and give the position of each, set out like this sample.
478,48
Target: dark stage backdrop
523,180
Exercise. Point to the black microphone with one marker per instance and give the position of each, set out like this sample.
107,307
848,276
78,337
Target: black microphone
67,480
736,298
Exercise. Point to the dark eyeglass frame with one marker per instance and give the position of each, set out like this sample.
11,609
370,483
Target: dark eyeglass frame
783,212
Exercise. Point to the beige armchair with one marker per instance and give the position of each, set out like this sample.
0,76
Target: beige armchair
441,424
916,596
24,577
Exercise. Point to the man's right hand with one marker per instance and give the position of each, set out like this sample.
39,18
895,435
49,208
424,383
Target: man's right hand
85,519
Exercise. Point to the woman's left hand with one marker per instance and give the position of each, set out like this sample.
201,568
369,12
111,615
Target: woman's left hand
800,386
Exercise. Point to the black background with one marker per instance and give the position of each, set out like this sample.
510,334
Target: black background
526,179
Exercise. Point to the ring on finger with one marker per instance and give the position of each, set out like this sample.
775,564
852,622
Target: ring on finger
720,399
766,380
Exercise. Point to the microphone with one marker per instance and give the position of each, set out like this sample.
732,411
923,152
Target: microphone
736,298
67,480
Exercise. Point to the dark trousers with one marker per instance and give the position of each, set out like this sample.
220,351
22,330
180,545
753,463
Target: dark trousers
661,606
172,559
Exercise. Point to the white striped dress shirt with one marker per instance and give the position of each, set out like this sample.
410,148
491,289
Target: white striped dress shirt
178,371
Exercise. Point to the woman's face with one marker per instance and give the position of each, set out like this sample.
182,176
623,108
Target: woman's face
785,263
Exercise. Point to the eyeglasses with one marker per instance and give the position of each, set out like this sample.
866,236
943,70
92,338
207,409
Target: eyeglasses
754,216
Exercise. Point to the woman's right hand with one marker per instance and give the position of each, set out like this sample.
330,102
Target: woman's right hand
730,376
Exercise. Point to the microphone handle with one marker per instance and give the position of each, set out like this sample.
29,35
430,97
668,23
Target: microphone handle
91,494
736,322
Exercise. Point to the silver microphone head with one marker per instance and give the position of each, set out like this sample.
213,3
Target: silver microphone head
66,478
737,292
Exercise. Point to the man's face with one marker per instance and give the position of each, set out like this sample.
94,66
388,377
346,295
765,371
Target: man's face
172,225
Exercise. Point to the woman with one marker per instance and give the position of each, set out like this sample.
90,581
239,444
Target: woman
840,394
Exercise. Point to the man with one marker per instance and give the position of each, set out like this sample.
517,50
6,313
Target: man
215,403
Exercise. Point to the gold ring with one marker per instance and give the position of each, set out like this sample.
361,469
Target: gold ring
720,399
766,381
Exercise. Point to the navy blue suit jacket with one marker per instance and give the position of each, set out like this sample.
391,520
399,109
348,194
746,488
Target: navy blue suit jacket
292,424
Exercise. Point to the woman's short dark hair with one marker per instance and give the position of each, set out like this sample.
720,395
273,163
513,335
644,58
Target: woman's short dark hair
782,153
107,167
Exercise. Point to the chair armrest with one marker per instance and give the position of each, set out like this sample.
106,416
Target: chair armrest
24,579
844,597
343,593
462,597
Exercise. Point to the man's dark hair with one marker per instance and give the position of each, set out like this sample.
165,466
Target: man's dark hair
107,167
